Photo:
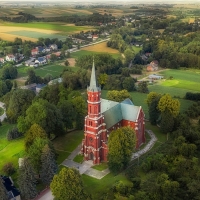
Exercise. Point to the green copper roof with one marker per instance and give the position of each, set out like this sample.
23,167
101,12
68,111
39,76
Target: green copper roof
93,82
114,112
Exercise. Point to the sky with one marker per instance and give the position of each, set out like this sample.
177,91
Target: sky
94,1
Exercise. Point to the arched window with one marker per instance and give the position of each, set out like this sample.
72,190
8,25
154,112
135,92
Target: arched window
95,110
90,109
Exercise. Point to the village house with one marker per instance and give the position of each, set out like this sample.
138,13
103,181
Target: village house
2,60
103,117
54,47
34,52
12,191
95,37
41,61
153,66
10,57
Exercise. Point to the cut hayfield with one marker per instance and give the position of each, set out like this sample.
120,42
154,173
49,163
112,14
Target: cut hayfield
11,37
101,47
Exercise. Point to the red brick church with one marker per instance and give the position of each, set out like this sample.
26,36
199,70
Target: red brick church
105,116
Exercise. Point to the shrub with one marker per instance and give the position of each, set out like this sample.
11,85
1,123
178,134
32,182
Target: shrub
13,134
8,169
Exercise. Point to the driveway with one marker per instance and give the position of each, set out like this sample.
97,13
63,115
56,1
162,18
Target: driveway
2,117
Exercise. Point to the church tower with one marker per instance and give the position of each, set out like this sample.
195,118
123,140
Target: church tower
94,129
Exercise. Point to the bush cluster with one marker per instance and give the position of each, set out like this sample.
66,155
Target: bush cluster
13,134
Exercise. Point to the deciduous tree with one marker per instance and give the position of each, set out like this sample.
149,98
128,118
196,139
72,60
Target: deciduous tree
68,185
118,96
43,113
34,132
121,144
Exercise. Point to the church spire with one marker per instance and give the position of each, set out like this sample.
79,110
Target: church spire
93,82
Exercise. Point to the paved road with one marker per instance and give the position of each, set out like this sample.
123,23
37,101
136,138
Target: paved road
2,117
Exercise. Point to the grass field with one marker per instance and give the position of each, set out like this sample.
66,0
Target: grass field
65,144
84,52
33,31
139,99
101,47
10,151
136,49
96,187
36,35
183,81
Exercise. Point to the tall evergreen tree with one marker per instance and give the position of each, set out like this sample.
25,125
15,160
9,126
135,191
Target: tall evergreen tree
27,180
3,194
49,166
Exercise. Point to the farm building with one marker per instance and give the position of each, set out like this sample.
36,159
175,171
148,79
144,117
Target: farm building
155,77
10,57
103,117
153,66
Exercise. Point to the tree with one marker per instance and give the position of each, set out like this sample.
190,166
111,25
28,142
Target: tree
142,87
167,122
35,152
121,144
166,103
53,57
129,55
49,167
129,84
27,180
66,63
34,132
68,113
68,185
80,108
102,79
152,102
44,114
3,192
3,88
18,104
118,96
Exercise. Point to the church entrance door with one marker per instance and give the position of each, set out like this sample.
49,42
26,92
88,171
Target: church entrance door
91,156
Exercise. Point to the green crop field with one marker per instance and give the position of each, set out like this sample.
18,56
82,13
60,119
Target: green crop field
50,26
86,53
34,34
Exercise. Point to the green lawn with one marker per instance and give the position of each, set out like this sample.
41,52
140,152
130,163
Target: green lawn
101,166
136,49
79,158
96,187
65,144
54,69
183,81
10,151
